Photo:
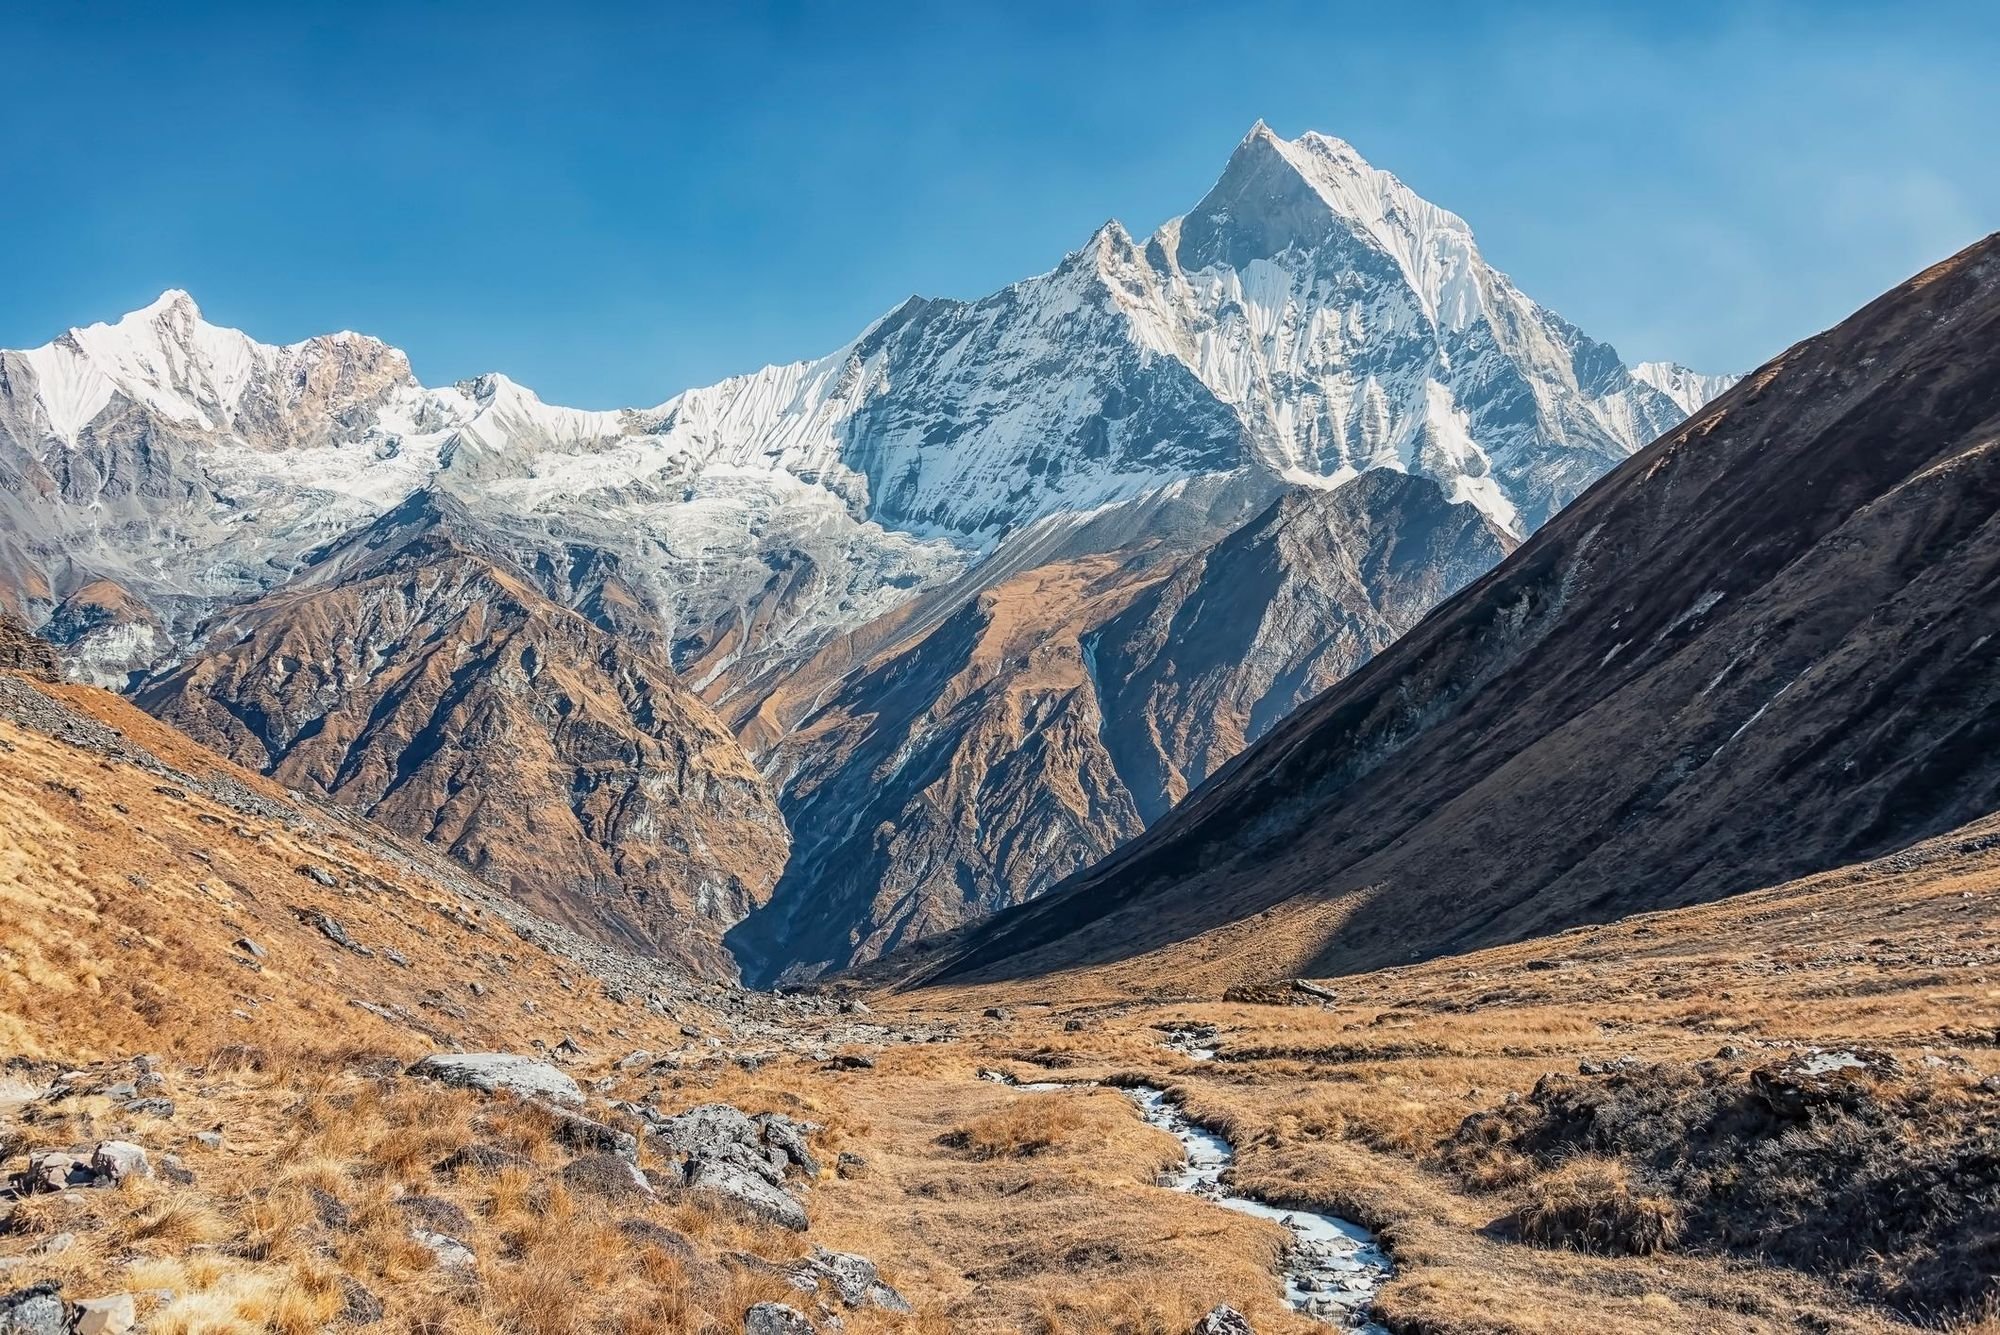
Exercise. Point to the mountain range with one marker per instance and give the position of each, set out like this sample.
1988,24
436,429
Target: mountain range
833,655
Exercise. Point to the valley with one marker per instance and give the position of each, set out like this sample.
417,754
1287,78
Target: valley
1256,782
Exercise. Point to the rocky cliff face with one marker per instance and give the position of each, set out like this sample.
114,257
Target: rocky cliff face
971,765
412,676
1762,648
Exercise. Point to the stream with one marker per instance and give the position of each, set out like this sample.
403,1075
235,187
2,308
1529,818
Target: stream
1334,1266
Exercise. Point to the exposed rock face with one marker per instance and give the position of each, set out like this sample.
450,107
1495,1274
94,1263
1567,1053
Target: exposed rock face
1051,717
500,1072
1764,647
409,675
21,650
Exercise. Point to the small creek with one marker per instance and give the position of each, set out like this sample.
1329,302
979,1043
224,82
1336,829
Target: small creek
1334,1267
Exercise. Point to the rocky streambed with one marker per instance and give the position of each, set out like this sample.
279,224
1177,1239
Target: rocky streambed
1334,1267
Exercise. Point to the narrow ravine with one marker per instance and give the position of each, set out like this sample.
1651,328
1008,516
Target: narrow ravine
1334,1267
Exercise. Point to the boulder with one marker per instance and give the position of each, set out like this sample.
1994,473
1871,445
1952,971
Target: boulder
775,1319
789,1138
498,1073
117,1160
856,1280
1806,1080
739,1186
35,1310
106,1316
1223,1320
53,1170
451,1254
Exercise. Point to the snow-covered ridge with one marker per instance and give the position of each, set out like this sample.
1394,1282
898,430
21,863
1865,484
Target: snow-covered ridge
1309,319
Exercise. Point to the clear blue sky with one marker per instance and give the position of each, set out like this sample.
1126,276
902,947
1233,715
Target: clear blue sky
613,205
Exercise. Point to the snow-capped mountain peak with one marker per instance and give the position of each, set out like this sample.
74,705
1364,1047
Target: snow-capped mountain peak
1311,318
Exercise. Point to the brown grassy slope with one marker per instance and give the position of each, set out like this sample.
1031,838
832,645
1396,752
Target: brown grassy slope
1766,645
127,884
409,675
1836,1219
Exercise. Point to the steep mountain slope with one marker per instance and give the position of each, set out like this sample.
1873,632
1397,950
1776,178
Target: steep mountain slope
412,676
1764,647
972,765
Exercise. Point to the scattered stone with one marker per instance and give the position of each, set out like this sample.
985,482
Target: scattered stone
775,1319
117,1160
1223,1320
35,1310
608,1176
53,1170
451,1254
788,1137
106,1316
162,1108
330,928
856,1280
499,1072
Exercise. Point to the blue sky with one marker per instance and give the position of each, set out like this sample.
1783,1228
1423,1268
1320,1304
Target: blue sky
612,205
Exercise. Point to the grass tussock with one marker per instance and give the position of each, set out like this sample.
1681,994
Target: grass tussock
1589,1205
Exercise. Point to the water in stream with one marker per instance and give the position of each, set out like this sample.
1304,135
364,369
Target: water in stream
1334,1267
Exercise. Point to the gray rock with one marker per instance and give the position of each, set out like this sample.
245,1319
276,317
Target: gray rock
1223,1320
789,1137
162,1108
737,1185
500,1072
53,1170
117,1160
113,1315
775,1319
330,928
451,1254
251,948
856,1280
35,1310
